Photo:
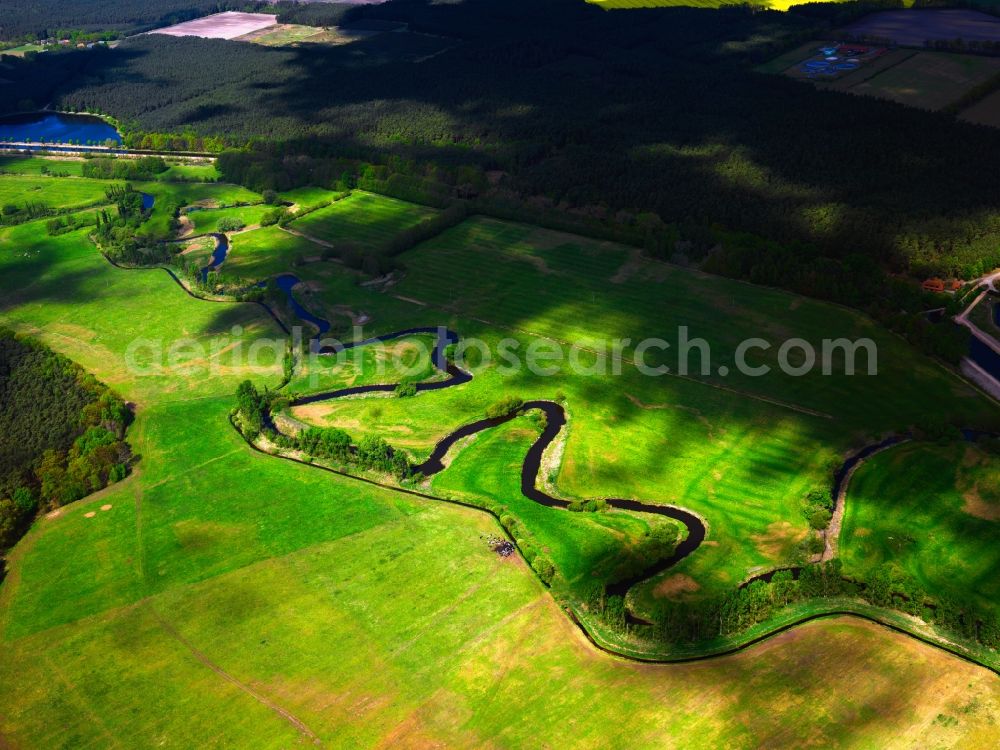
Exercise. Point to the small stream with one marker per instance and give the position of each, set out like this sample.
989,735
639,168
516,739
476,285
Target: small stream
218,255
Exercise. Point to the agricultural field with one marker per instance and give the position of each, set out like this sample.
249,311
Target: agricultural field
184,171
912,28
984,112
72,167
364,220
261,602
927,80
284,35
228,25
930,80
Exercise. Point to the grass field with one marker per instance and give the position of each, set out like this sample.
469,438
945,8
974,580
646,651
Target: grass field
200,172
364,219
934,511
208,220
73,167
930,80
54,192
984,112
172,195
402,360
267,251
308,196
23,49
35,165
257,602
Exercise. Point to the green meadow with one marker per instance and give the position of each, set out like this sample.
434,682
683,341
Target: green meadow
932,511
740,451
267,251
39,166
208,220
258,602
54,192
363,219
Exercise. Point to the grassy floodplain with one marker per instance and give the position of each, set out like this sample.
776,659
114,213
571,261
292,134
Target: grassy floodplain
742,452
203,222
934,512
364,219
223,584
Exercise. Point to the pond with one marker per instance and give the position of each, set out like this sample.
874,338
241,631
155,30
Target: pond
56,127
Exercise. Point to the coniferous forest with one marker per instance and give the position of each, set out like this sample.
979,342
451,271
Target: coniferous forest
647,111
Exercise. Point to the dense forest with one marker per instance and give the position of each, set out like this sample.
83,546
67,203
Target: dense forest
33,19
574,108
63,435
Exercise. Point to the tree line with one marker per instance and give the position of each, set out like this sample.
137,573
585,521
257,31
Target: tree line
63,434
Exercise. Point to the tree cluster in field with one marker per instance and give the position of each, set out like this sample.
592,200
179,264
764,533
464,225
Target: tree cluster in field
405,390
371,453
119,233
540,562
231,224
106,168
215,283
63,435
504,407
69,223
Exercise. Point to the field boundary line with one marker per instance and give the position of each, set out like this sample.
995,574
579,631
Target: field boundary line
284,713
81,701
308,237
875,74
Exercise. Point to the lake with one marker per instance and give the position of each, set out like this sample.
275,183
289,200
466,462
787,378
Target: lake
54,127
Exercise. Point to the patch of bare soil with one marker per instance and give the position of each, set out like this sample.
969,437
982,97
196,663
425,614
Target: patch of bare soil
976,506
675,586
187,227
629,268
780,539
